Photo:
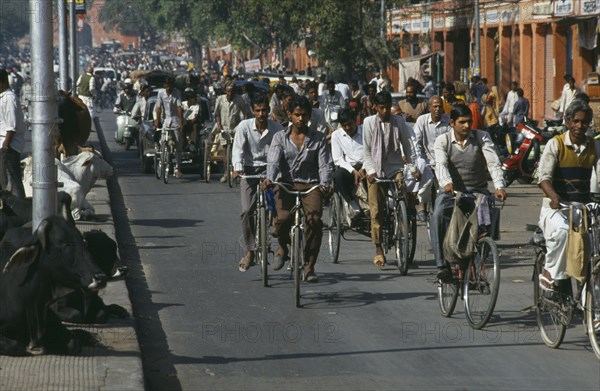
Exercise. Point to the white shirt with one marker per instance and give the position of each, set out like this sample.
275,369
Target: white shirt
344,90
511,99
347,151
426,131
12,120
250,147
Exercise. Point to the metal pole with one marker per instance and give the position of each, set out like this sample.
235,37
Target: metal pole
383,22
477,62
73,40
63,51
43,111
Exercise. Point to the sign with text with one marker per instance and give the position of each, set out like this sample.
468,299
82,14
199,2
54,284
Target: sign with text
252,65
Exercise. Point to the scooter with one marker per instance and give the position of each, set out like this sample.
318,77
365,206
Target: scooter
127,130
523,159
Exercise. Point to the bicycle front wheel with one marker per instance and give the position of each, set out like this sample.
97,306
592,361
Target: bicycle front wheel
157,165
229,166
448,296
482,282
401,237
592,310
335,229
297,262
547,312
206,167
262,252
166,164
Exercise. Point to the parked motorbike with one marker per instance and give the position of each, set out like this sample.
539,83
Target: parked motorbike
524,153
127,130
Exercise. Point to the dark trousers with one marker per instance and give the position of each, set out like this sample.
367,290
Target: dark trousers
313,210
11,178
438,225
343,183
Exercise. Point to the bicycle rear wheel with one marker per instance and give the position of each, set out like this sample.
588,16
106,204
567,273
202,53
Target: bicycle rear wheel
335,229
401,237
261,233
412,237
592,310
482,282
297,262
548,312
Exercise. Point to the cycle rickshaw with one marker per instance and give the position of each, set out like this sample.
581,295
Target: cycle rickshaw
399,225
218,154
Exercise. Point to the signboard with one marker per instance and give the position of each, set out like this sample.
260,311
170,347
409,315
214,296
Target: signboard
252,65
80,7
563,7
438,23
492,16
590,7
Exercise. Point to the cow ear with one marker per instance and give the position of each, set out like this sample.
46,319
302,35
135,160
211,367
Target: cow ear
23,257
88,161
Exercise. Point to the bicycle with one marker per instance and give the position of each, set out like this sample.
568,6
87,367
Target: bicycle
262,218
396,229
297,261
477,280
211,157
163,159
554,309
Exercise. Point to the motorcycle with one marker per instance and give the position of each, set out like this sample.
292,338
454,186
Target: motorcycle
524,153
127,130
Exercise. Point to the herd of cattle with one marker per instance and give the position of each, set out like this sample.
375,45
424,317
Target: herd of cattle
53,275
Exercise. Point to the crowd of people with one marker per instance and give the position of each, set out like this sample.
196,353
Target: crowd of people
341,136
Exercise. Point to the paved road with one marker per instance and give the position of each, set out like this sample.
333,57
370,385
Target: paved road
204,325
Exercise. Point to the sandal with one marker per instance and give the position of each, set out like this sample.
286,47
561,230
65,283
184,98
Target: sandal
245,264
379,260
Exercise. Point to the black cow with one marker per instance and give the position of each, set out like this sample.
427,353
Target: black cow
16,212
32,266
83,306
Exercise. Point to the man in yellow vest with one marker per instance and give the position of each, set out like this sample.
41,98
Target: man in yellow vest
564,173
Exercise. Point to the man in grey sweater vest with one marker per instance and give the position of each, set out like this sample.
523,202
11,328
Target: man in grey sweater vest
460,156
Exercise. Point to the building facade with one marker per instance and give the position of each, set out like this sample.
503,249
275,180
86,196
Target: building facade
532,42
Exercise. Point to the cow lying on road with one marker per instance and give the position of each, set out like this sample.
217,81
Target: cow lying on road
83,306
31,266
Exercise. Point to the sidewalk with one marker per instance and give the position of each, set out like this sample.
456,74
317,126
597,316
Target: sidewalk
116,363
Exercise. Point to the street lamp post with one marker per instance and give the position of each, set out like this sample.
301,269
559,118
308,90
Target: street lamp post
477,60
73,40
43,112
63,54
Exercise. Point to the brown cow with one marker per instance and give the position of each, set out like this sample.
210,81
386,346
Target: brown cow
75,127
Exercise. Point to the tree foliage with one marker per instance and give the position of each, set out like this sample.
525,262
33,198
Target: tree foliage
344,34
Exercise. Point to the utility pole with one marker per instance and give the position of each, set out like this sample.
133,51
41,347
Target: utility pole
43,112
477,60
74,53
63,50
383,21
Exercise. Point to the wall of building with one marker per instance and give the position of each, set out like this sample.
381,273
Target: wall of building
532,42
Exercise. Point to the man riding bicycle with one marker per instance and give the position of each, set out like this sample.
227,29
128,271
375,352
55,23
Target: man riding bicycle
230,110
348,157
251,144
388,153
168,101
427,128
460,156
564,175
299,156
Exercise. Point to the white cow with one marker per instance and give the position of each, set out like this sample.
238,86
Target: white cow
78,174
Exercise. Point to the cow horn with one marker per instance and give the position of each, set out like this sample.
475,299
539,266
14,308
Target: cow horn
42,233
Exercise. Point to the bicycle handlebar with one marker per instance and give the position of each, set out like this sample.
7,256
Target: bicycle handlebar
284,185
384,180
257,176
